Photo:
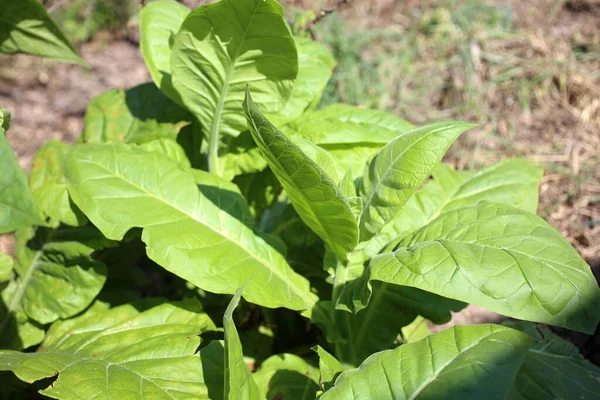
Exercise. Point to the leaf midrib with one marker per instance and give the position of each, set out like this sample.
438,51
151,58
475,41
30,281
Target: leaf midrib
216,122
338,196
24,282
395,160
193,217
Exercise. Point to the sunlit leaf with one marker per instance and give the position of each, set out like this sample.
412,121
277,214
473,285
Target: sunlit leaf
463,362
194,224
314,195
27,28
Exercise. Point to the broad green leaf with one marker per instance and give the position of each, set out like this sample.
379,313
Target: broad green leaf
57,276
463,362
314,195
329,368
495,256
127,353
193,228
48,184
137,115
27,28
159,23
554,369
287,376
169,148
513,182
344,124
17,206
6,267
315,67
239,383
351,157
212,62
399,169
17,332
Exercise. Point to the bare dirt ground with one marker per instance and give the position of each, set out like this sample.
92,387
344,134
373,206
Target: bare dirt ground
559,129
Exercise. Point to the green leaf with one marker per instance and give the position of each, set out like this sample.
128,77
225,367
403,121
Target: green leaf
17,206
159,23
212,62
239,383
513,182
399,169
195,229
5,118
315,67
463,362
554,369
239,156
344,124
137,115
17,332
6,267
415,331
260,189
127,353
57,276
352,157
495,256
315,196
329,368
169,148
287,376
379,326
27,28
48,184
323,159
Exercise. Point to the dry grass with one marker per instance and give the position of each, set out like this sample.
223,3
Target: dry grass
527,72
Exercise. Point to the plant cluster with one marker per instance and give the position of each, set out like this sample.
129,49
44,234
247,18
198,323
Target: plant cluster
340,228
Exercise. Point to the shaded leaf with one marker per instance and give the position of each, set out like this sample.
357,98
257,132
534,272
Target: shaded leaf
494,256
399,169
57,276
159,23
195,229
136,115
239,383
329,368
17,331
554,369
17,206
478,361
126,353
287,376
27,28
48,184
314,195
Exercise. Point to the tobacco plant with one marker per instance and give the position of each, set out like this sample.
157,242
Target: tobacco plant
340,228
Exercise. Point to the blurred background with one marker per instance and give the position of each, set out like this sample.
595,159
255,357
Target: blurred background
528,72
